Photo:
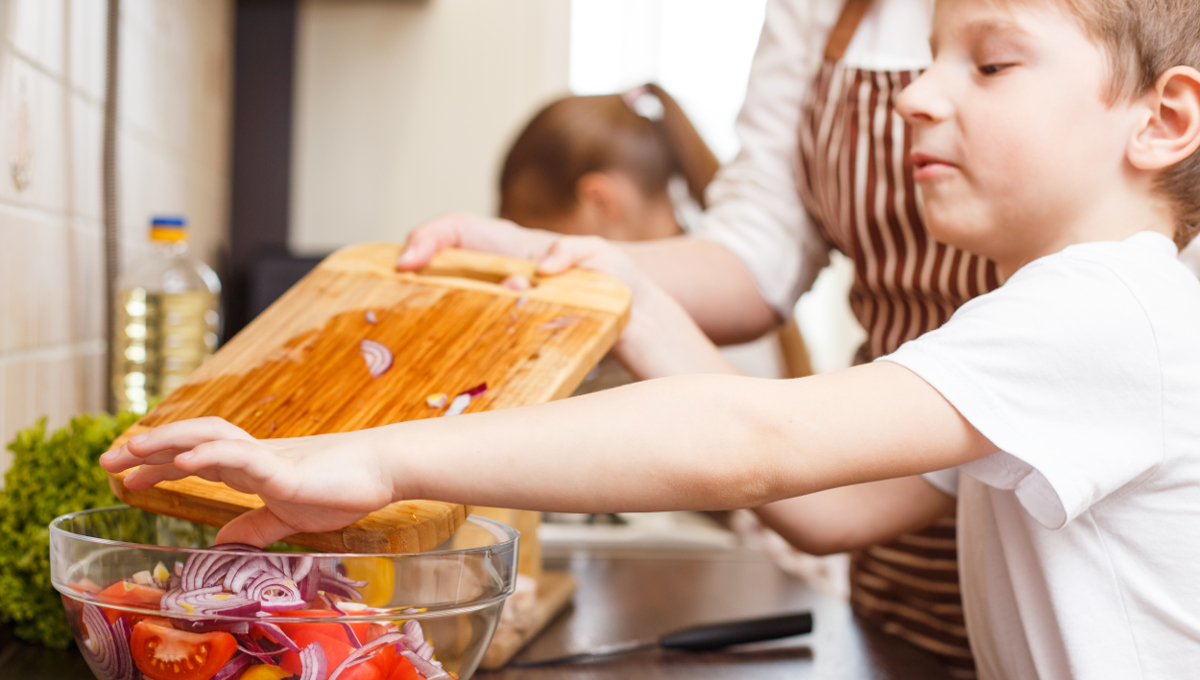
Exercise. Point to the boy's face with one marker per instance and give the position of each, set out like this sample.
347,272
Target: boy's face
1014,147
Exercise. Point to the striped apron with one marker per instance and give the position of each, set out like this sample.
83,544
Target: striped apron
856,183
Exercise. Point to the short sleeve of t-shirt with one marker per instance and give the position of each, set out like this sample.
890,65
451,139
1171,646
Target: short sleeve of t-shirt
1059,369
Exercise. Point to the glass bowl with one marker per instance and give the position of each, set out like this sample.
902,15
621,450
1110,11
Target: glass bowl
146,595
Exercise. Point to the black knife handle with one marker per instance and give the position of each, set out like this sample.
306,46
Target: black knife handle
718,635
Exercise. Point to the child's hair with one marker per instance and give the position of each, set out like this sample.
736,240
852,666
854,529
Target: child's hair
1143,39
574,136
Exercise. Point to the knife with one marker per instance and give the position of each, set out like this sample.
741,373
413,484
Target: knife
700,638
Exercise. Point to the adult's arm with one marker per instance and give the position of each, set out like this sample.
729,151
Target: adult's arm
754,206
756,250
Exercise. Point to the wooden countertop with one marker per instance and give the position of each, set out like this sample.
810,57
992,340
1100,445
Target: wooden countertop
629,594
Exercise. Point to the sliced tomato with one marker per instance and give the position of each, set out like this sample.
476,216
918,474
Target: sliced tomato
404,670
129,594
84,585
333,630
163,653
385,658
336,652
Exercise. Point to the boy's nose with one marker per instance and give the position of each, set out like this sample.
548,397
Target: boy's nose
921,102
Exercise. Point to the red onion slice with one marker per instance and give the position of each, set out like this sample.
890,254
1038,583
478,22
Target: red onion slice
276,633
460,404
428,668
122,632
365,652
334,583
275,593
559,322
313,663
370,316
378,357
463,400
250,646
351,635
106,648
213,601
303,566
232,668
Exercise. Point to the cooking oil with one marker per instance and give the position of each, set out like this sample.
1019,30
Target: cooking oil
167,319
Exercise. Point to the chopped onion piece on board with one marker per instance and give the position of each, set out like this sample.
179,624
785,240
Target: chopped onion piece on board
378,357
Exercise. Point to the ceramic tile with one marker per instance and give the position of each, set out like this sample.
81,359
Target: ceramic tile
19,327
37,30
136,80
5,434
32,137
36,281
86,157
91,383
51,282
19,407
85,273
88,21
45,393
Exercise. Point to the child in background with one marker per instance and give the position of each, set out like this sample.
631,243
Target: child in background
1057,139
627,167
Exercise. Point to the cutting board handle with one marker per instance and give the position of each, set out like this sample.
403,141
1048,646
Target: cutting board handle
466,264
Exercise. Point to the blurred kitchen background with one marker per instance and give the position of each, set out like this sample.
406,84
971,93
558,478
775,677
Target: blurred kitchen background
284,129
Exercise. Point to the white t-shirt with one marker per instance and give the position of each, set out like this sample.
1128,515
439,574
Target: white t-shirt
1079,540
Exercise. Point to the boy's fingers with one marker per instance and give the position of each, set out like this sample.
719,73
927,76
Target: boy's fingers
116,460
182,436
249,457
147,476
259,527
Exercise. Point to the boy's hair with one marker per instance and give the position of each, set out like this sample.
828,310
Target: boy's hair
1143,39
574,136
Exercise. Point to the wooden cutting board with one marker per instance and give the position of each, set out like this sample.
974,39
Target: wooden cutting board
297,370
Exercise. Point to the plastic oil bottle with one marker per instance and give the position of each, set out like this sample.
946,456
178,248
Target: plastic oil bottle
167,320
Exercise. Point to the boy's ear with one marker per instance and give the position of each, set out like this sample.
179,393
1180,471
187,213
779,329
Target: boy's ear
1171,132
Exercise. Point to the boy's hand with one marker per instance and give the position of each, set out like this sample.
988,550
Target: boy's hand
308,484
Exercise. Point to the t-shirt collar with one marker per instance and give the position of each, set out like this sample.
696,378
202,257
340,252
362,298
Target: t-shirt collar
1154,241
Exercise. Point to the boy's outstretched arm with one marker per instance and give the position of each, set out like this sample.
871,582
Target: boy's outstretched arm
848,517
693,442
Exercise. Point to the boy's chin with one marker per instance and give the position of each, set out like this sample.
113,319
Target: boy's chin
954,228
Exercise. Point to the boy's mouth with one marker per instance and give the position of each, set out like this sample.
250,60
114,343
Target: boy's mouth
927,167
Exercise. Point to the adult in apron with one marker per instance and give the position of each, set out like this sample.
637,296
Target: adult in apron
854,184
823,166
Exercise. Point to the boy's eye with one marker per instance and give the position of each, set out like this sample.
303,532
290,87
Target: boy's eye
992,69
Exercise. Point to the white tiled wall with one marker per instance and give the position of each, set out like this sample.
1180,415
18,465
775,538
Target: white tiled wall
173,157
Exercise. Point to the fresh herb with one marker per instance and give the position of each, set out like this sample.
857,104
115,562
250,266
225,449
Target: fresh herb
48,478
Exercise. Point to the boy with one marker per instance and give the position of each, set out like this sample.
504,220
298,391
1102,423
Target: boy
1057,139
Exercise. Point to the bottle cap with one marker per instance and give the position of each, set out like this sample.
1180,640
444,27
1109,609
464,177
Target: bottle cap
165,229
